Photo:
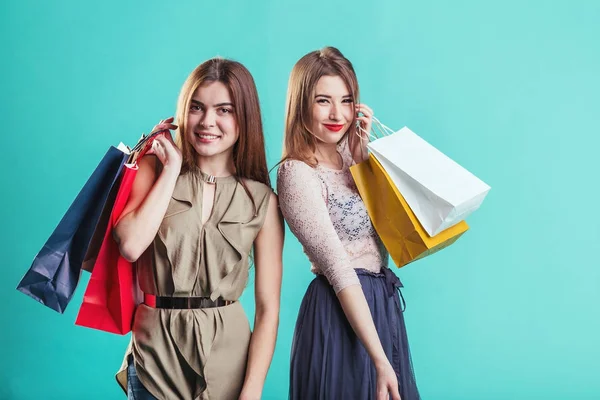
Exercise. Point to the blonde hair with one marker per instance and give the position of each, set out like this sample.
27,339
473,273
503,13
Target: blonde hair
299,143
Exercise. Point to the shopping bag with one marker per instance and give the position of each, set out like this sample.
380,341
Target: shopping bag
397,226
55,271
112,293
439,191
98,237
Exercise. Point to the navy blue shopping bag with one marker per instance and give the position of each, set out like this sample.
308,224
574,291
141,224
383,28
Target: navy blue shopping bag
55,272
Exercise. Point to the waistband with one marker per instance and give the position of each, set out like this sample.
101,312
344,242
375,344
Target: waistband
183,303
392,283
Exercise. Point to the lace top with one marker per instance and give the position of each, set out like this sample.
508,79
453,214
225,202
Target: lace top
325,212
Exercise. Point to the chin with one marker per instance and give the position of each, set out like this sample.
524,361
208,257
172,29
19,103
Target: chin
331,137
207,152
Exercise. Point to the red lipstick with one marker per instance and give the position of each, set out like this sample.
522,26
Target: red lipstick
334,127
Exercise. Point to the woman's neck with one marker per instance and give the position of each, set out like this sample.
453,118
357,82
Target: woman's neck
219,165
327,154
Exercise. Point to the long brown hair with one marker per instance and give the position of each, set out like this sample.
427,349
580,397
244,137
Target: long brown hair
249,155
299,143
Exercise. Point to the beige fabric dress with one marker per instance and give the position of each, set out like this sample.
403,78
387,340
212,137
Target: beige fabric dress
198,353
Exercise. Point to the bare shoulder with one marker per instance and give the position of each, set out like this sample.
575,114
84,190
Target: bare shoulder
148,165
273,220
146,175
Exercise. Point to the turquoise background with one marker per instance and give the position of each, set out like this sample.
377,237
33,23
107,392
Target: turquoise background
508,89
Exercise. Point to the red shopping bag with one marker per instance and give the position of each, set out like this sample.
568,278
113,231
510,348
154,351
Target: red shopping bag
112,293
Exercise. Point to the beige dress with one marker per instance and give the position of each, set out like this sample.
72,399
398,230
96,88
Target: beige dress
198,353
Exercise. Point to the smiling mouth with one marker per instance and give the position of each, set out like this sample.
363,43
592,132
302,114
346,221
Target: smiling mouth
334,127
206,137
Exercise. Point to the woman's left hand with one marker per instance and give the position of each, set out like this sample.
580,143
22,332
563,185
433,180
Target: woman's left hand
359,140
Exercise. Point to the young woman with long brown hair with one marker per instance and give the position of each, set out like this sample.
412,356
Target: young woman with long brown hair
199,207
350,341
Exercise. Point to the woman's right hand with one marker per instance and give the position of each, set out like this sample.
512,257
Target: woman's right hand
164,148
387,383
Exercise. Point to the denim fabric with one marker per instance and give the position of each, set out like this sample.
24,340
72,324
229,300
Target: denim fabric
135,389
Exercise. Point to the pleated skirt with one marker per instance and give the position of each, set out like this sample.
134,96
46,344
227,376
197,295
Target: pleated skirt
329,362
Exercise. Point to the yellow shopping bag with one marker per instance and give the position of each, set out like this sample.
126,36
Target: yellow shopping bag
394,221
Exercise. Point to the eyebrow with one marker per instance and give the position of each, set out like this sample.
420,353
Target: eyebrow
329,97
216,105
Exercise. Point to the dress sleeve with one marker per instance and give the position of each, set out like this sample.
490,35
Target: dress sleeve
302,203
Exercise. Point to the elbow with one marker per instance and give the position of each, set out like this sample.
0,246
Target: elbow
129,247
268,313
341,278
130,250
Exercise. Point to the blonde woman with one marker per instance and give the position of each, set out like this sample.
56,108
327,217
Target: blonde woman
350,341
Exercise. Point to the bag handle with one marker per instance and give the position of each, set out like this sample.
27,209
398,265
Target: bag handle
143,145
378,127
386,130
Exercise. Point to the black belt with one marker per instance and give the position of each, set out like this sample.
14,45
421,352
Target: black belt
182,303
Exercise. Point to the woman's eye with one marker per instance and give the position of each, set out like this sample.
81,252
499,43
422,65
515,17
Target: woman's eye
195,108
348,101
226,110
322,101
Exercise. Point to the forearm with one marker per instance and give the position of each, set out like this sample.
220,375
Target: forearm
136,230
357,311
262,346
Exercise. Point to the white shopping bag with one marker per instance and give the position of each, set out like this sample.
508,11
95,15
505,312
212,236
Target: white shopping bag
440,192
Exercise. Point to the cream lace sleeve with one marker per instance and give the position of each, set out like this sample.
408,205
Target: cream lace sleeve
302,202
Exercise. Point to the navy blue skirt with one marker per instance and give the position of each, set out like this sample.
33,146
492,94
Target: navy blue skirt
329,362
